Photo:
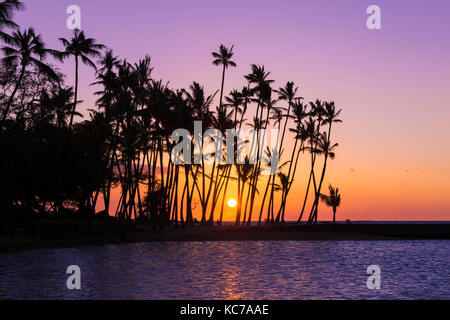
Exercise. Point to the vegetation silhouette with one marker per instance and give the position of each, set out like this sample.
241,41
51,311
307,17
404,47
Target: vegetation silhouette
332,200
125,144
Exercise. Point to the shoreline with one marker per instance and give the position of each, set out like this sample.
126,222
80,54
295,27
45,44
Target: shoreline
287,232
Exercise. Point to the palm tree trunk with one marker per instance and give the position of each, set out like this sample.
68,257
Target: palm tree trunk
221,89
189,219
271,200
215,197
75,96
285,192
254,184
239,208
285,124
316,201
225,194
264,200
182,206
306,197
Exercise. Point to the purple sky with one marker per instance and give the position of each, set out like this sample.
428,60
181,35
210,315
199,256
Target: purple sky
393,84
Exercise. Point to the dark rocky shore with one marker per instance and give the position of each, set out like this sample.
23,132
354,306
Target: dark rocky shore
304,232
295,232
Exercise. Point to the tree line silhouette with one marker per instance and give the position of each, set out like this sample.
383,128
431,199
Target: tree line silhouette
53,165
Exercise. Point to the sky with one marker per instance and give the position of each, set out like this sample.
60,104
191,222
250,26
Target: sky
393,84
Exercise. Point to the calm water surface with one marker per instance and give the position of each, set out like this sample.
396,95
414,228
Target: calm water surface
233,270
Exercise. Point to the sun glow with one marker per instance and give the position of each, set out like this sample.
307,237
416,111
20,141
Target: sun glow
232,203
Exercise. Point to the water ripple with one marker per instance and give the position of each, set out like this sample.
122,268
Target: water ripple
233,270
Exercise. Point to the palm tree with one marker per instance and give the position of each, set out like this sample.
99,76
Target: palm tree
62,101
325,147
332,200
246,98
263,90
299,112
24,48
258,77
200,104
222,121
223,57
234,100
7,8
330,115
287,93
82,48
108,62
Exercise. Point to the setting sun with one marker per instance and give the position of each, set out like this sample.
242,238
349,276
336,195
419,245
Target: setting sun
232,203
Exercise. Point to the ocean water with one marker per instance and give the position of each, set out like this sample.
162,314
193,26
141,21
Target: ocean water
233,270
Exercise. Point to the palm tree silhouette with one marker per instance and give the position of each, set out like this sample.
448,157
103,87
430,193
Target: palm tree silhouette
200,104
234,101
299,113
223,120
7,8
246,98
126,143
24,48
330,115
324,146
263,91
287,93
332,200
223,57
61,99
108,62
82,48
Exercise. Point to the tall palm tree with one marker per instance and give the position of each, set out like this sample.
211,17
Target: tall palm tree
263,91
200,104
82,48
222,121
7,8
325,147
24,48
330,115
299,112
312,128
332,200
223,57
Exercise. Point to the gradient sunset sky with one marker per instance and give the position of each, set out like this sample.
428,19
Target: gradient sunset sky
393,162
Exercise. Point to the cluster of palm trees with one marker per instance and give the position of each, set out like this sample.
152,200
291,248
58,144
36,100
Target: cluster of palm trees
129,134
